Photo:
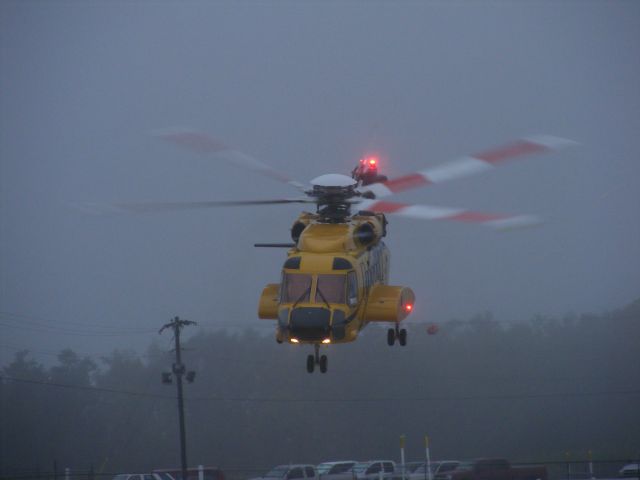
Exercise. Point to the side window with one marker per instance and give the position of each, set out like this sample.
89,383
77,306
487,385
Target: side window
341,468
375,468
388,467
352,289
295,473
309,472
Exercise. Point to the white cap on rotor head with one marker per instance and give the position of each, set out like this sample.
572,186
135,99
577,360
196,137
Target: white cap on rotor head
333,180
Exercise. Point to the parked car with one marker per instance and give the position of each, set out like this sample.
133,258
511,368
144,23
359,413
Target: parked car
164,476
418,470
143,476
493,469
291,472
443,466
208,473
374,469
631,470
342,470
410,467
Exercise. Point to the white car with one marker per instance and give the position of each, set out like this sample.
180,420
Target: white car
291,472
418,470
342,470
437,468
374,470
143,476
630,471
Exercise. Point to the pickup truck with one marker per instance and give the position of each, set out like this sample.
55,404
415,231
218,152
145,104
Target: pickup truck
291,472
493,469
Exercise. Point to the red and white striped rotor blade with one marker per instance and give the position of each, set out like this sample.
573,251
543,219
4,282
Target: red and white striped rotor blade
200,142
429,212
471,165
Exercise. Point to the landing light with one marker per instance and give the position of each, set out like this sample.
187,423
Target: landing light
326,340
295,340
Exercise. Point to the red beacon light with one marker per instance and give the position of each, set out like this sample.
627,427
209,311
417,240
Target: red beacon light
369,162
367,171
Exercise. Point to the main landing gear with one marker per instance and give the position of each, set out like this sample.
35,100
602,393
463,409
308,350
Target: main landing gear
317,359
394,333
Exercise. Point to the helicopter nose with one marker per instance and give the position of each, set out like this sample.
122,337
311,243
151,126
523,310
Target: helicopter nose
310,323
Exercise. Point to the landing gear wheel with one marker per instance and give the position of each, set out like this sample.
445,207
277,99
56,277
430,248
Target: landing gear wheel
323,364
311,363
391,337
402,337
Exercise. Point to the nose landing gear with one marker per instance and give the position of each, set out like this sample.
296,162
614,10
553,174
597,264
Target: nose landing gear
317,359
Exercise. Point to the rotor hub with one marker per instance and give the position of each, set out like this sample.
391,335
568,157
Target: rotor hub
333,193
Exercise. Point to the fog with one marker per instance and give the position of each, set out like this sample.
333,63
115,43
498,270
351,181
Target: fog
540,391
308,87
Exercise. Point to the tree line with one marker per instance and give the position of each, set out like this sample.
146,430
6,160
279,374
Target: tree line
543,390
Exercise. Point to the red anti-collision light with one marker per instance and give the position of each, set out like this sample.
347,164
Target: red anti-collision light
408,307
373,161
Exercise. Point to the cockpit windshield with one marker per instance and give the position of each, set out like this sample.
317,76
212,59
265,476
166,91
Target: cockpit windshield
331,288
296,287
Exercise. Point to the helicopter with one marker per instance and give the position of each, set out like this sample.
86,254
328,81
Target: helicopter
335,278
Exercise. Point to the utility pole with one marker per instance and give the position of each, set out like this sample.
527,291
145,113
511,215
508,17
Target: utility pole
179,370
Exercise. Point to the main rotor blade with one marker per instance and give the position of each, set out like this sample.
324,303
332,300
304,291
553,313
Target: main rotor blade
151,207
428,212
200,142
465,166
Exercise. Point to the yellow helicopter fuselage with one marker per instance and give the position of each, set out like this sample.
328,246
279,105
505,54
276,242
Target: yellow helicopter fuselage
334,282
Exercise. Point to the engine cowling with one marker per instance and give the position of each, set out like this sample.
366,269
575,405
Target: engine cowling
389,303
268,306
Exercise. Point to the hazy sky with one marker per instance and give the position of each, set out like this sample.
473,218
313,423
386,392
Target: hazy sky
308,87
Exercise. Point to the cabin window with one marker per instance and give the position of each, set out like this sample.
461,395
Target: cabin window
292,263
296,287
331,288
352,289
341,264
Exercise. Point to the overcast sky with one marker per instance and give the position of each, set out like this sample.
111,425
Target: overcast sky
308,87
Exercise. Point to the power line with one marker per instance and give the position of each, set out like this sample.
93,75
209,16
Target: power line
85,387
54,325
37,320
88,333
369,399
